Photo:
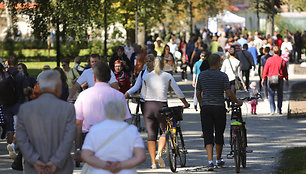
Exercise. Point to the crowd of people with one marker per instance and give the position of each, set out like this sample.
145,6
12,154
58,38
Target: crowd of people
40,125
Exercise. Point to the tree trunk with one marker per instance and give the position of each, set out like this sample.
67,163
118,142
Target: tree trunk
58,47
191,18
270,20
270,25
141,35
8,18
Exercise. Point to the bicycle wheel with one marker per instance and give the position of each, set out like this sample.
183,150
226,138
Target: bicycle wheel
171,151
236,154
243,146
181,148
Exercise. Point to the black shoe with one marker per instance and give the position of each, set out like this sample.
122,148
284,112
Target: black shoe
17,164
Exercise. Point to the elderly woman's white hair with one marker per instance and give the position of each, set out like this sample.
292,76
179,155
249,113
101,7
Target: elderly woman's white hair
115,110
49,79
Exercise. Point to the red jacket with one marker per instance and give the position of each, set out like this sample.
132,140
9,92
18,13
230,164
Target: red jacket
272,67
278,42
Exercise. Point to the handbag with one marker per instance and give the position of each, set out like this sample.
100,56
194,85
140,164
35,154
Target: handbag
86,169
238,84
274,81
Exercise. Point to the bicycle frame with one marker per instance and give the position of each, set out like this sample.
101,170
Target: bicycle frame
175,146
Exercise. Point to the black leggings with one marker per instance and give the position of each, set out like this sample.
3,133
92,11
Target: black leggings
153,119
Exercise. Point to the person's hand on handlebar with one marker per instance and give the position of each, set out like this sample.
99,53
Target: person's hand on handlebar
186,105
126,95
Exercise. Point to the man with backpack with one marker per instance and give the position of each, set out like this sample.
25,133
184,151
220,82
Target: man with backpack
246,63
12,96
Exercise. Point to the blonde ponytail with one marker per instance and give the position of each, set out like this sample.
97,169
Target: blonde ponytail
158,65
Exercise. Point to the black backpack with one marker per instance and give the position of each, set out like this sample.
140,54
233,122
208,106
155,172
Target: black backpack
8,90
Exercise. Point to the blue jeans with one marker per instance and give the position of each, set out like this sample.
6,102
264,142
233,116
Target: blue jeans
271,92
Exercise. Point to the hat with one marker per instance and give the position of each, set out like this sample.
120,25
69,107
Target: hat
253,85
158,39
46,67
149,43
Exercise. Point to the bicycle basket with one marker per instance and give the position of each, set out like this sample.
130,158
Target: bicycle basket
178,113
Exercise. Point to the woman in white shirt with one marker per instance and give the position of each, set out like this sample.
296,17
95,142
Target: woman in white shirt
113,156
231,67
138,84
155,94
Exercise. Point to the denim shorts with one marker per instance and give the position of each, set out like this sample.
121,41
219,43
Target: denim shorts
9,112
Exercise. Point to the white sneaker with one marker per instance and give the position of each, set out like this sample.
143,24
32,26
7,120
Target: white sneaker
11,151
160,161
153,166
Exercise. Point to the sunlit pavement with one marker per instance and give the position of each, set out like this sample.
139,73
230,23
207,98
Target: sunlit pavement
267,136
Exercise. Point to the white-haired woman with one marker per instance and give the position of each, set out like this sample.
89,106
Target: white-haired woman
155,95
105,152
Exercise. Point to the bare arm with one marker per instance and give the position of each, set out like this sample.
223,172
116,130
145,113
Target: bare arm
139,156
194,80
193,54
186,104
94,161
74,89
232,96
199,97
78,139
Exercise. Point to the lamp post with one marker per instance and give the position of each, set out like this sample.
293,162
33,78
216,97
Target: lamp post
105,30
136,23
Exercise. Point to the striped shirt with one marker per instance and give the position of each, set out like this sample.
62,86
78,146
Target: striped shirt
212,84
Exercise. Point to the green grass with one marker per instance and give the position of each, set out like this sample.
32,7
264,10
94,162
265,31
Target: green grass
293,161
34,68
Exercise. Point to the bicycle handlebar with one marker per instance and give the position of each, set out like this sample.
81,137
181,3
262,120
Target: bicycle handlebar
135,99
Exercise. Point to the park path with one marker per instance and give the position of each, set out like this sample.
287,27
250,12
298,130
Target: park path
267,137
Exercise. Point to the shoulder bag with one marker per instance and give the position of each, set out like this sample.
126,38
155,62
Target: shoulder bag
238,84
274,81
86,169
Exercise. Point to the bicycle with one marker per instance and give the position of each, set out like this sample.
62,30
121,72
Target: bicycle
238,136
175,146
136,117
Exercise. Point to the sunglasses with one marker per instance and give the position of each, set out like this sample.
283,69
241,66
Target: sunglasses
63,64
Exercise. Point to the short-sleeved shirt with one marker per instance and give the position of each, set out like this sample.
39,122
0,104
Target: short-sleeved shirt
71,75
87,76
212,84
264,59
118,149
89,106
197,66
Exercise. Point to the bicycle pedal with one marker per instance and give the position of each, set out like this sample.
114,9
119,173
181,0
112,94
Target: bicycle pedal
249,151
230,156
185,151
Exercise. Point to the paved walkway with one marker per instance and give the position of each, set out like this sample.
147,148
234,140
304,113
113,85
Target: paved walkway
267,136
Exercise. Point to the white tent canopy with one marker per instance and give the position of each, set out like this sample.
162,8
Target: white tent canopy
230,18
